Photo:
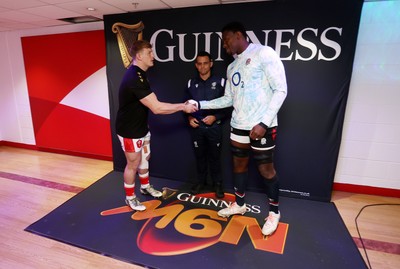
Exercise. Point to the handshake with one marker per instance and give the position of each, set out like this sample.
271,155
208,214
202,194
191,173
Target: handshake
191,106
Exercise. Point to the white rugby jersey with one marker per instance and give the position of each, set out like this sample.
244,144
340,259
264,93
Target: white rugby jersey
256,88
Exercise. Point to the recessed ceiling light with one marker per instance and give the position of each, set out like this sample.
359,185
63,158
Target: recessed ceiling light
91,9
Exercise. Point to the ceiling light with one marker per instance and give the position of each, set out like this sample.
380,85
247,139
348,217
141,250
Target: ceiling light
82,19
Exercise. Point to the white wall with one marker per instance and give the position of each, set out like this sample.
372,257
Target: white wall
15,115
370,149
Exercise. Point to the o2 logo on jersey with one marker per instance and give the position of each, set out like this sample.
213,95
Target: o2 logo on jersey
236,78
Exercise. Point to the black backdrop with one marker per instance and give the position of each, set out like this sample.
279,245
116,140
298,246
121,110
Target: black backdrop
316,42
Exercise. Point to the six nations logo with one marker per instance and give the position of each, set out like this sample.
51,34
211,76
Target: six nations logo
181,223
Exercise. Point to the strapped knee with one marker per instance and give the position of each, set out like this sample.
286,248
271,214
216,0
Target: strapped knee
239,152
262,157
144,163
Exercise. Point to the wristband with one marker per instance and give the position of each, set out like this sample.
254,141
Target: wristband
263,125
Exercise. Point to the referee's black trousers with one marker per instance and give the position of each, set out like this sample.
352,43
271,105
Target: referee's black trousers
207,148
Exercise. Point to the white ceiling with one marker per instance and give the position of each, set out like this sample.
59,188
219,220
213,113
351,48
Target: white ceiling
29,14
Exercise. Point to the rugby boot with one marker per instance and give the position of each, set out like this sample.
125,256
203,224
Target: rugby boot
149,190
135,204
232,209
271,223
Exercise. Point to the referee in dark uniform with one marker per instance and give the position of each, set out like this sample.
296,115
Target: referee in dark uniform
206,131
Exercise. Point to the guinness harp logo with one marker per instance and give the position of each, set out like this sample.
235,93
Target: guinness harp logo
126,35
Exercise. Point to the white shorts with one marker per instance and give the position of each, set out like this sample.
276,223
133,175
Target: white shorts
265,143
134,144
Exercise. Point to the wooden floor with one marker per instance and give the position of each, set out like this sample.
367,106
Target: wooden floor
33,183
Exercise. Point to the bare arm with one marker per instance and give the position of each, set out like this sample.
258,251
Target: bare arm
158,107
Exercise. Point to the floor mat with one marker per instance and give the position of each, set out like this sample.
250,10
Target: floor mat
184,231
